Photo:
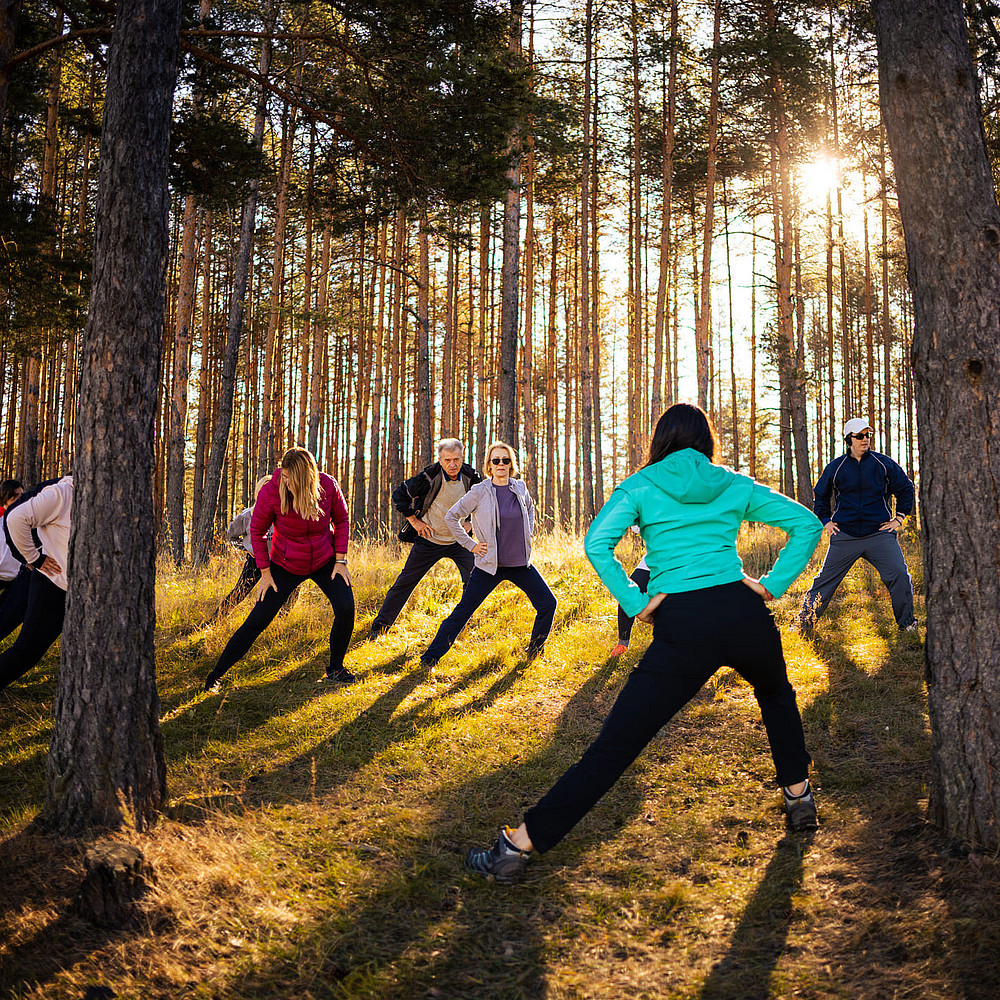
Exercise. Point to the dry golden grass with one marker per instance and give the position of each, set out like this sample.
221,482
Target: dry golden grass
314,843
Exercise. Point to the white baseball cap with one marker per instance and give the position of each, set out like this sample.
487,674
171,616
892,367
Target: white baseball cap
855,426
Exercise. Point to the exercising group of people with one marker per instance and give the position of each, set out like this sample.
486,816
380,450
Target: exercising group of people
690,585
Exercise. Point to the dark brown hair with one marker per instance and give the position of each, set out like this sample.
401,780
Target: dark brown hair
683,426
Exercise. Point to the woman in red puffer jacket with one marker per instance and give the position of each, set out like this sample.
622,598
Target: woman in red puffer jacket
310,521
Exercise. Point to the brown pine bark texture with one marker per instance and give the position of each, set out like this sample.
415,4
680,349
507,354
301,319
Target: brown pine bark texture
952,227
105,765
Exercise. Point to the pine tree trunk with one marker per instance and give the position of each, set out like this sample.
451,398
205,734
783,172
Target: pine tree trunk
667,179
422,387
106,765
208,351
187,276
320,327
267,450
951,223
704,325
886,318
528,360
510,270
227,380
584,291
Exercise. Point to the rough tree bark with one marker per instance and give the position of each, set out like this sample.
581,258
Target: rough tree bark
105,764
951,223
511,269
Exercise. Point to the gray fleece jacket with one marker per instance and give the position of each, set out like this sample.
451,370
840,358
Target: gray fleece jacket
480,503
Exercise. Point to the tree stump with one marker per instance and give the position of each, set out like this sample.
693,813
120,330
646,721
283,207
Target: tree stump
117,876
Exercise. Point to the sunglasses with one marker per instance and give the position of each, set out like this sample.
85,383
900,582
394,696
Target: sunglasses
864,436
500,461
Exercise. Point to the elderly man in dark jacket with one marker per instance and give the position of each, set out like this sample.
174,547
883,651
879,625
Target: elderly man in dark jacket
852,499
423,501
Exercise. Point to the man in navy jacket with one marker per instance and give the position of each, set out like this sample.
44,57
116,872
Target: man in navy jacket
852,499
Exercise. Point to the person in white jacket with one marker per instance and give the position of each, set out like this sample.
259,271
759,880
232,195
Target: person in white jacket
503,519
48,515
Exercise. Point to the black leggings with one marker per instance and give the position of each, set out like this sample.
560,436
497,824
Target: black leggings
249,576
625,623
338,593
43,621
694,634
14,602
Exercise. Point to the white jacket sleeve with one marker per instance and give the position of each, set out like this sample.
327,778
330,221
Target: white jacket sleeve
33,513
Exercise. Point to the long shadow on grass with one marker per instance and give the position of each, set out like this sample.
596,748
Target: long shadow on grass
868,732
760,937
343,752
247,705
25,732
427,927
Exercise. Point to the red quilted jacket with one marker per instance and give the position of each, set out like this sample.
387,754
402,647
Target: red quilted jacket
298,545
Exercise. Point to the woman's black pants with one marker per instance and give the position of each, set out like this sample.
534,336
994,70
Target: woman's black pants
694,634
625,622
249,577
43,622
338,593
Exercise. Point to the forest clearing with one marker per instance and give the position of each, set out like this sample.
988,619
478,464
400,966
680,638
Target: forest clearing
261,263
314,839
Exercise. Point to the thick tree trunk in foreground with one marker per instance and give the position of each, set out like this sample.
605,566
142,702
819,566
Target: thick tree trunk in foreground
105,764
952,227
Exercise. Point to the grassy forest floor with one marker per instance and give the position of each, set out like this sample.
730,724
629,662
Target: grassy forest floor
314,842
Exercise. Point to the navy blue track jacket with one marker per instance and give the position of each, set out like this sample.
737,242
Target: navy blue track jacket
855,493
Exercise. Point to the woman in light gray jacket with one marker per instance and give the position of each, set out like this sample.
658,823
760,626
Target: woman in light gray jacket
503,519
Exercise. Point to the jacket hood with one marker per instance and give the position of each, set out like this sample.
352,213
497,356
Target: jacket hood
688,477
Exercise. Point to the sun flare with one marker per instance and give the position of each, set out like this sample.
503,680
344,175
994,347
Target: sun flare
818,178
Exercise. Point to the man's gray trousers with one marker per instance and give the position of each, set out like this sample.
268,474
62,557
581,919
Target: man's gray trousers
880,549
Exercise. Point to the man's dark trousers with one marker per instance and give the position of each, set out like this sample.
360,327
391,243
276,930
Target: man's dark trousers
423,555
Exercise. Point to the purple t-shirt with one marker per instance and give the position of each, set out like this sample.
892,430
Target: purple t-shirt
510,529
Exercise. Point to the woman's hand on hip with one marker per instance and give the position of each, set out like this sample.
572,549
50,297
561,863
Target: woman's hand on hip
758,588
480,548
266,583
50,568
646,615
340,569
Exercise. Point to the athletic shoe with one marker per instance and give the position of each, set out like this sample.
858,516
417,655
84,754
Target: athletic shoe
912,629
503,861
377,631
619,650
800,810
340,676
535,654
212,682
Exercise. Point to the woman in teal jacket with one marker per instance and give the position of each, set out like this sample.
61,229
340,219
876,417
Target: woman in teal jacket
706,613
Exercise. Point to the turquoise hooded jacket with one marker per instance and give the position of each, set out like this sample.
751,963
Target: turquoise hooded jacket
689,512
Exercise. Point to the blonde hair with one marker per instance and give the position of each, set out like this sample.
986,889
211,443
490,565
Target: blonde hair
303,490
259,485
510,451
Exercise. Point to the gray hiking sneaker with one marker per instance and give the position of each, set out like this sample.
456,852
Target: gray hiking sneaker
800,810
504,861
